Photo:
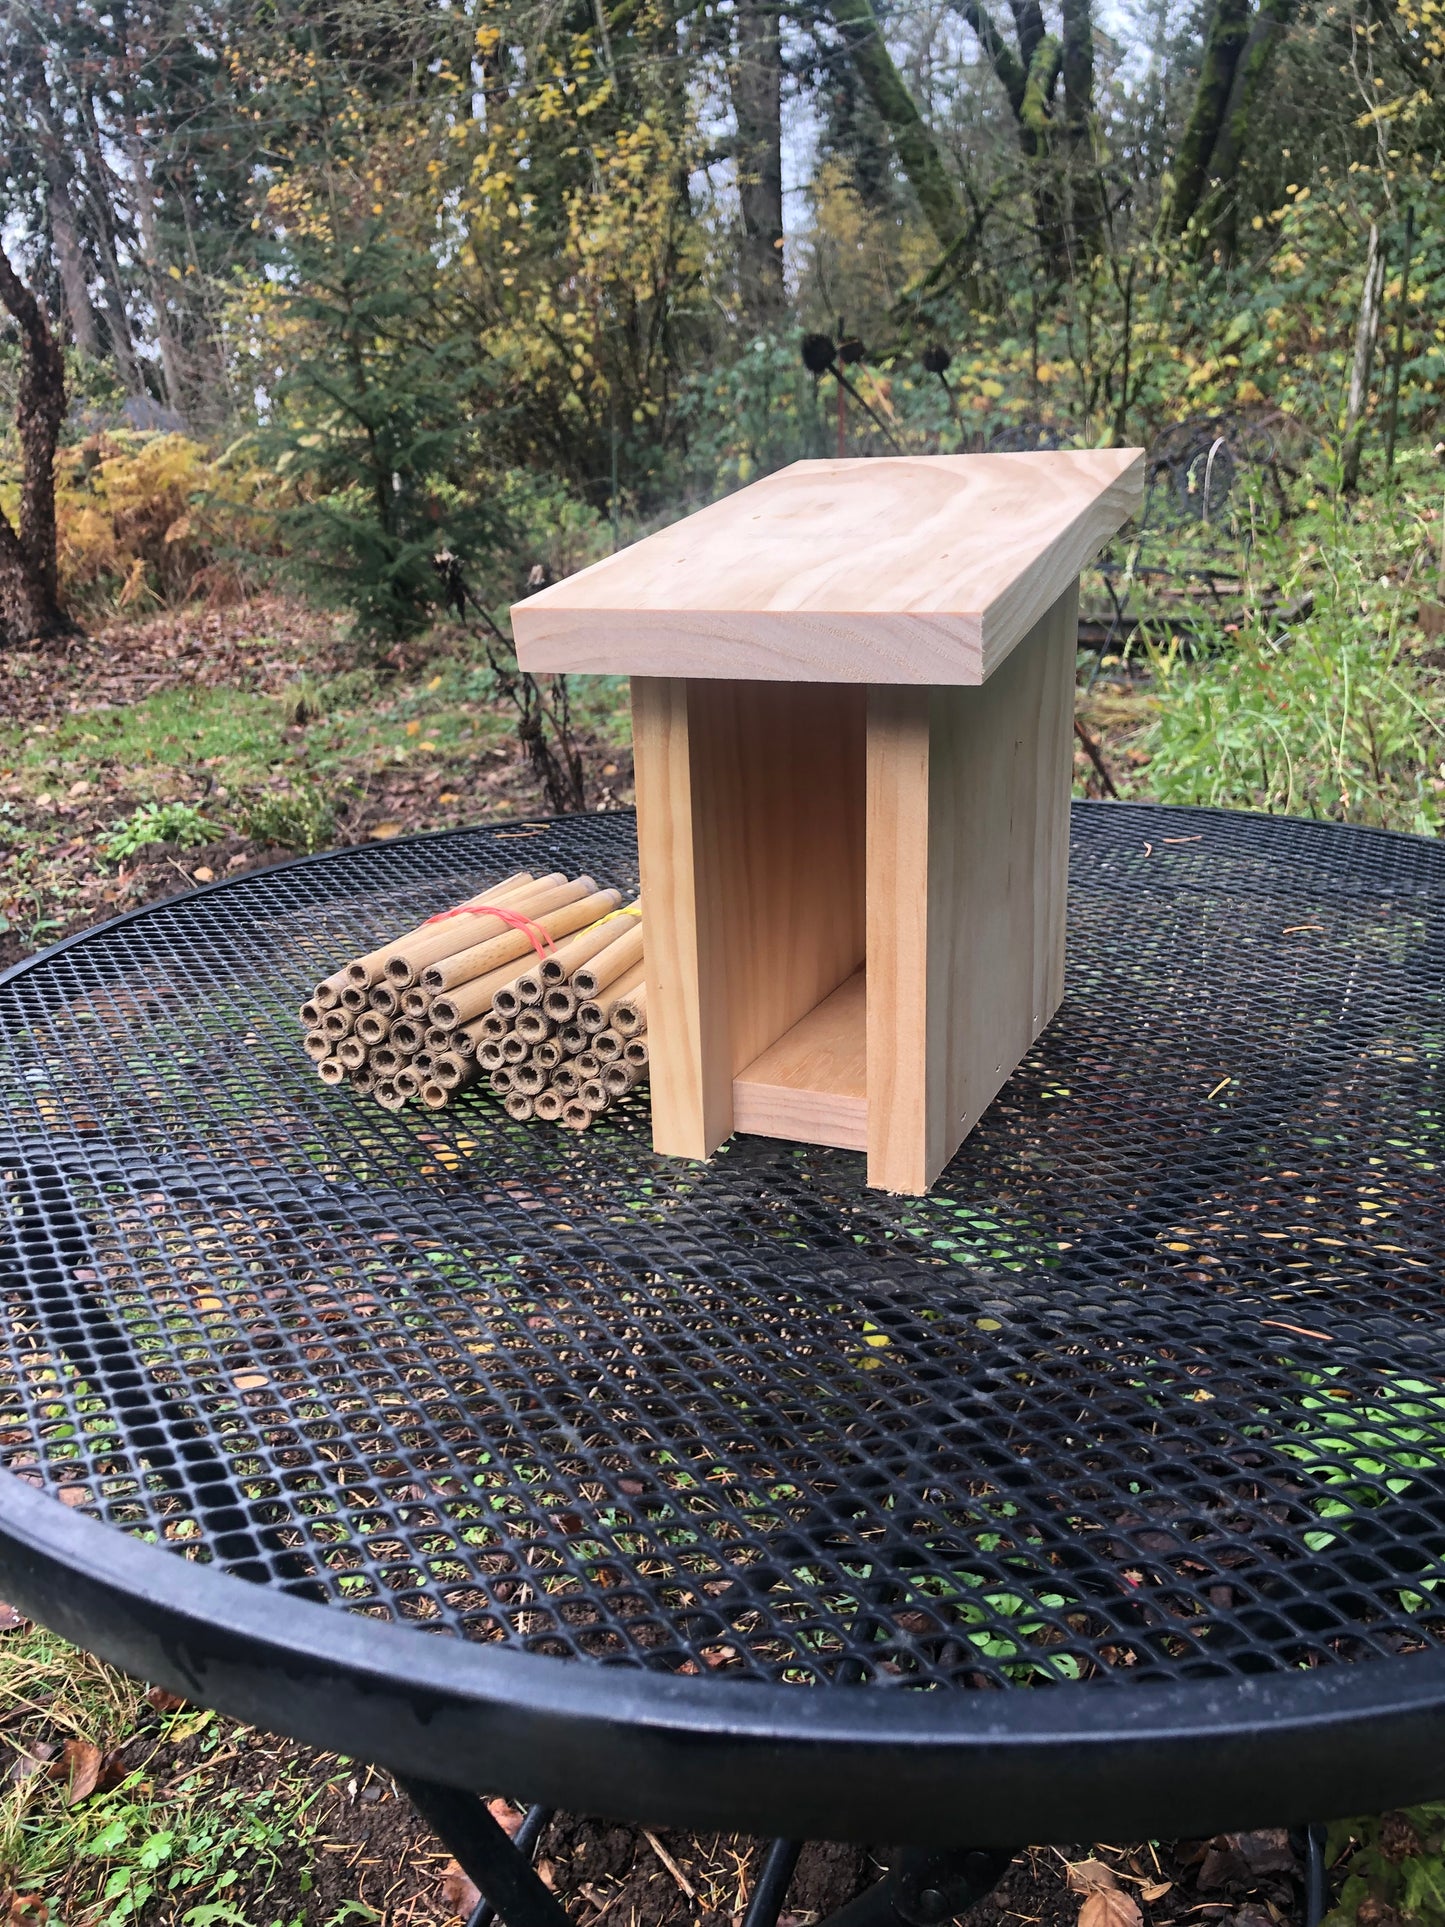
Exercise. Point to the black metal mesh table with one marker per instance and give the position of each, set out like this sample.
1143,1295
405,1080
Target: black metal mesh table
1103,1490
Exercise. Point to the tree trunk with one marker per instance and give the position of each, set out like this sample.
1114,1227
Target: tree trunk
917,151
71,263
1223,44
1266,31
29,597
103,231
1085,182
1367,330
145,207
757,90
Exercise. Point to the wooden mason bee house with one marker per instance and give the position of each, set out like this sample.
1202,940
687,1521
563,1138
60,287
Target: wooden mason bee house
852,701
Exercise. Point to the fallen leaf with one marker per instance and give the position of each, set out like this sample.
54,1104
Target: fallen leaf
1156,1890
204,874
1268,1851
163,1700
250,1381
31,1760
9,1618
1092,1876
1109,1907
384,831
79,1766
27,1910
459,1894
507,1817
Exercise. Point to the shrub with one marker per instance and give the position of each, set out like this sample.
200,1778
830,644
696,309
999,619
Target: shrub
151,519
180,823
302,819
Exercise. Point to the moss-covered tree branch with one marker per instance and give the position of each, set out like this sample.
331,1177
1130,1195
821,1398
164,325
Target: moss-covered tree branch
1223,44
918,153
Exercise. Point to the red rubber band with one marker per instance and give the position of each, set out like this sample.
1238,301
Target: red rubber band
514,919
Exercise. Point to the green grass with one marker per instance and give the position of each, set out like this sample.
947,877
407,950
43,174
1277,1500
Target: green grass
177,1837
1335,710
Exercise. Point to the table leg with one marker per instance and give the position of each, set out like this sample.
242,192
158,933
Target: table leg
1317,1891
484,1853
926,1887
524,1842
773,1882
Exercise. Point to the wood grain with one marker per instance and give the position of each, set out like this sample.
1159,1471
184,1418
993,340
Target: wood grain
750,803
812,1085
968,821
920,570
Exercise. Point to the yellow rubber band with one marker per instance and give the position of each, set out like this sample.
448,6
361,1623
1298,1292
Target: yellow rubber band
627,910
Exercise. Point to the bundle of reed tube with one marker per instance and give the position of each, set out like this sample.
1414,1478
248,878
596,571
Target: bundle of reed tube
535,986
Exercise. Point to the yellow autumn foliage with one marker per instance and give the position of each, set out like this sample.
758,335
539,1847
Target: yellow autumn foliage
146,519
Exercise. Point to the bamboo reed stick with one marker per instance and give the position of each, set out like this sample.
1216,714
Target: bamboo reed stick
566,1080
529,986
405,1035
316,1045
366,970
560,1003
383,998
460,935
311,1013
609,964
421,1062
331,1070
572,1038
337,1023
501,1080
588,1063
568,957
451,1071
596,1013
629,1013
452,971
548,1054
513,1049
372,1026
518,1106
507,1003
387,1095
490,1054
415,1002
593,1095
533,1027
607,1044
529,1078
548,1106
437,1039
618,1079
636,1053
576,1116
436,1097
352,1052
386,1061
407,1081
353,998
363,1082
449,1013
328,991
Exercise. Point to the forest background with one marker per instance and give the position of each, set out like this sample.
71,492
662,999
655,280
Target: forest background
332,326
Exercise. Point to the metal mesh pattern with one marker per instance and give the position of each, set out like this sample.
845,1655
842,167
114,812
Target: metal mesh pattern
1150,1386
